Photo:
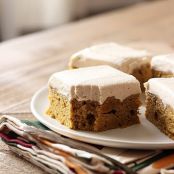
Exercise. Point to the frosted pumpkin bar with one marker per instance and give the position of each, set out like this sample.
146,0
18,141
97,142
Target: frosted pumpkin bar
95,98
129,60
163,65
160,104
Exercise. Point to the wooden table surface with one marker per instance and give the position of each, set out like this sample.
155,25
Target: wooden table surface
27,62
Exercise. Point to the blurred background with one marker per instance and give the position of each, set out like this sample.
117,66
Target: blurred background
20,17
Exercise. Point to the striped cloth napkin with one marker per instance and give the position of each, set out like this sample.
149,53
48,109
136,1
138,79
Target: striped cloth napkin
57,154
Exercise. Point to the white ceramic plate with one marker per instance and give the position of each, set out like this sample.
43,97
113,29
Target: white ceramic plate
142,136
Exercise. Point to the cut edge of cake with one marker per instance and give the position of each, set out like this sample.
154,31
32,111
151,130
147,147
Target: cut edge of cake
159,105
93,115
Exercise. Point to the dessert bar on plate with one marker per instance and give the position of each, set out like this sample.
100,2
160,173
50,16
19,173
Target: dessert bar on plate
94,98
129,60
160,104
163,65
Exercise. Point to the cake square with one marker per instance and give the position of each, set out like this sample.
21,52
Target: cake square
129,60
160,104
94,98
163,65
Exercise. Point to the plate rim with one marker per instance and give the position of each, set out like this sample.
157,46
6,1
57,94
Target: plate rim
75,135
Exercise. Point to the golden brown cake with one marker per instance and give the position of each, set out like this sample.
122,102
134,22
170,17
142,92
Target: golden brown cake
128,60
160,104
163,66
94,98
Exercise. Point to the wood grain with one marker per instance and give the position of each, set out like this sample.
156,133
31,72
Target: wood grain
27,62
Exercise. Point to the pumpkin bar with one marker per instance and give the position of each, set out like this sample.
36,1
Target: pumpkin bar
163,65
126,59
94,98
160,104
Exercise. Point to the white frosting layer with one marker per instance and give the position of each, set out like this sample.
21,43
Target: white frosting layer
163,88
120,57
164,63
94,83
